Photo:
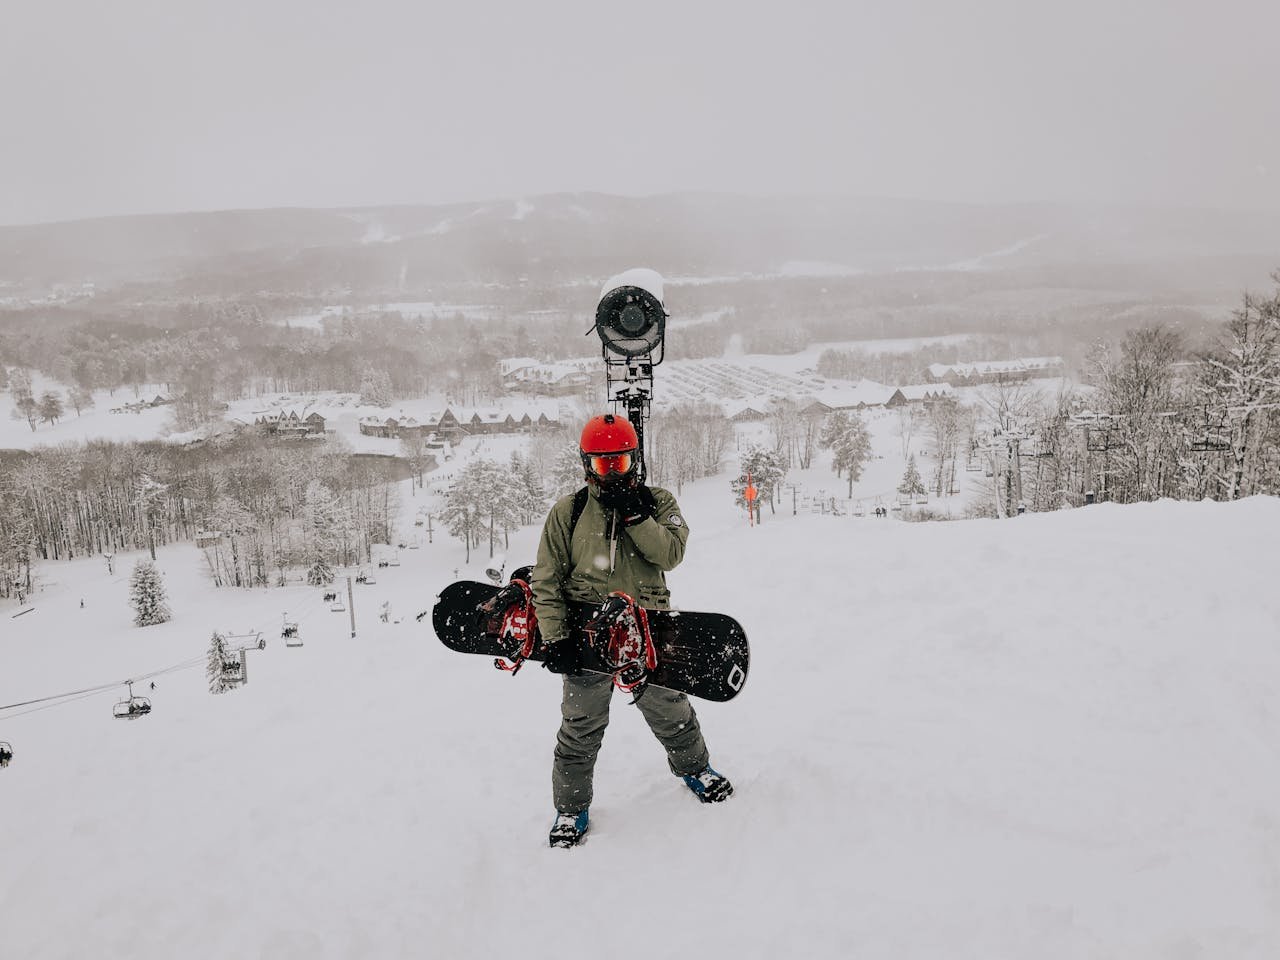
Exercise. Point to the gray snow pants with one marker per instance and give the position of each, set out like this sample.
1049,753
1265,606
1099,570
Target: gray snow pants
585,713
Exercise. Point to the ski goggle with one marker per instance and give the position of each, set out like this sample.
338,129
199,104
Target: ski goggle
604,464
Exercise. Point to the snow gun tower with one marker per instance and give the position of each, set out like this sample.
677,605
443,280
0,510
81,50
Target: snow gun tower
631,321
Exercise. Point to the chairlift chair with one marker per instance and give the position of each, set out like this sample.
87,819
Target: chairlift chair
1210,443
1097,441
131,708
338,606
243,641
922,498
1215,438
290,634
6,753
859,510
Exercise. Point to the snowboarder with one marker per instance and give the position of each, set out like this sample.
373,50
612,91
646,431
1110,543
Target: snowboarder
622,536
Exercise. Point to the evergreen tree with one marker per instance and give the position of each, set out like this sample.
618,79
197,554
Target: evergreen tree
767,469
566,470
850,443
911,484
531,501
51,409
146,594
375,388
218,682
320,574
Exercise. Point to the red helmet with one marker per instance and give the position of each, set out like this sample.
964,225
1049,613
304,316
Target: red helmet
609,446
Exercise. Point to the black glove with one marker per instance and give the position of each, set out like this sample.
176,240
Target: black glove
633,503
563,657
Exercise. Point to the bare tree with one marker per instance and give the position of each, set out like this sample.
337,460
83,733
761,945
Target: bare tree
1243,374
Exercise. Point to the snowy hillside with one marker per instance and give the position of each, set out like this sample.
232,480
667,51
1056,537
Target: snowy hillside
1050,737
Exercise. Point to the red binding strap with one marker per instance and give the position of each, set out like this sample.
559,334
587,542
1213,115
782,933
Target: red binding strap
520,623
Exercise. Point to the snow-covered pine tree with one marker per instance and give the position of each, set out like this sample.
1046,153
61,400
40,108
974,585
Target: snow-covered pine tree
531,499
911,483
146,595
853,450
375,388
320,574
213,670
463,514
566,470
767,468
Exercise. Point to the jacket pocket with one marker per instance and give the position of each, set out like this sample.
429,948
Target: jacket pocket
654,597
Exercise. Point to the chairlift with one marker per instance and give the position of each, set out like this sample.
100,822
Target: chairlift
1097,441
1210,443
6,753
337,606
859,510
234,673
289,633
244,641
131,708
1215,438
904,500
922,497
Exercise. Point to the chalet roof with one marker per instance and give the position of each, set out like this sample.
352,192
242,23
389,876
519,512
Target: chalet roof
864,393
921,391
512,364
981,368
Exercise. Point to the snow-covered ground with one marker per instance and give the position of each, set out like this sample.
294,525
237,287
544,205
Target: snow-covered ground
1049,737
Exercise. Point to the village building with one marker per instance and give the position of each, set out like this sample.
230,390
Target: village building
284,426
558,378
928,393
992,371
446,425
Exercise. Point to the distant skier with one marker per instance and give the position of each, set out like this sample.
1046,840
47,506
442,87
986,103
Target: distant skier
624,537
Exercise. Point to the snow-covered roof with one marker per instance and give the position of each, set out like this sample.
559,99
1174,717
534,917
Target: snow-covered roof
512,364
865,393
555,371
981,368
738,406
921,391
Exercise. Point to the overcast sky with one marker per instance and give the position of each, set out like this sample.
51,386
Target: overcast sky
132,106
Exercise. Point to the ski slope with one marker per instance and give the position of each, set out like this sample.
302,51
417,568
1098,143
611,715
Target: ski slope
1049,737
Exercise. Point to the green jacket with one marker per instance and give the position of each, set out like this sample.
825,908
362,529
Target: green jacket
605,556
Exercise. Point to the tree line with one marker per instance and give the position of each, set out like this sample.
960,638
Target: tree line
1153,420
270,506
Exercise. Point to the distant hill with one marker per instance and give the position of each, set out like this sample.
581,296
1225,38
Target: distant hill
562,237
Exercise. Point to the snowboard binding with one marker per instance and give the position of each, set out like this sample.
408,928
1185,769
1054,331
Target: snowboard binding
519,623
620,634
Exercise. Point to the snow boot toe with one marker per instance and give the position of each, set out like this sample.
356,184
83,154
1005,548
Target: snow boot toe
569,829
709,786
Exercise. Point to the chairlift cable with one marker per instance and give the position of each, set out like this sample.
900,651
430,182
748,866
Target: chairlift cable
50,706
102,688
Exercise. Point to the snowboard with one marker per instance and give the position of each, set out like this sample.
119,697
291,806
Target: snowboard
704,655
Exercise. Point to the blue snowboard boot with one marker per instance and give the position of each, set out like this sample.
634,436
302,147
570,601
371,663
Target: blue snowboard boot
569,829
709,786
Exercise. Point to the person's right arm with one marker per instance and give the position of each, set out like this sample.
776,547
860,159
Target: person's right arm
550,572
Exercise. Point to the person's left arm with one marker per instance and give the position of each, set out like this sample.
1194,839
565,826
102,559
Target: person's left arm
661,532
